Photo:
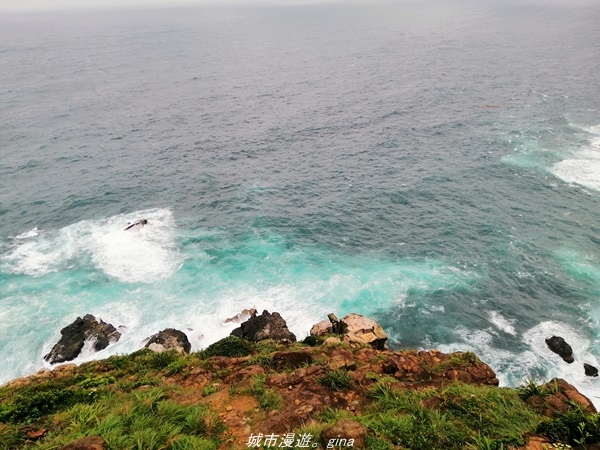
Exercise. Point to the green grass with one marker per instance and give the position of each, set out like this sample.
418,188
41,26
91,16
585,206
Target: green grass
145,420
231,346
268,399
336,380
465,415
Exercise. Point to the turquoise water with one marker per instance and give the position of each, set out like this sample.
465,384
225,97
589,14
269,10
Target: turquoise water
434,167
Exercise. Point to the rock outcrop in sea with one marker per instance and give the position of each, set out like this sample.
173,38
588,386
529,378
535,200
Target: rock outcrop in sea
169,339
559,346
74,336
353,328
265,326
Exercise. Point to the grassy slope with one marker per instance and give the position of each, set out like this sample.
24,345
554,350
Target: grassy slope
214,399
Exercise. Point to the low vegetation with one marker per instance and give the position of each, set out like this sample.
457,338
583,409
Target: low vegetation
169,401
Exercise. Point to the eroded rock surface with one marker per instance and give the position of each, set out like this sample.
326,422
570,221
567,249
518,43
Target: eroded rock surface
265,326
76,334
169,339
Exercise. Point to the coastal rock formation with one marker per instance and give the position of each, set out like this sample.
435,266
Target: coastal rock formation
74,336
169,339
265,326
362,330
558,402
590,370
559,346
241,317
322,328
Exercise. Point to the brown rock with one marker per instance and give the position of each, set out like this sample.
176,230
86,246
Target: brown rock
291,359
241,317
534,442
362,330
87,443
169,339
346,433
331,341
322,328
37,434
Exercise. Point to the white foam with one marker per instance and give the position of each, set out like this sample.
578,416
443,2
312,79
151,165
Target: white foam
583,167
31,233
501,322
141,255
513,368
555,366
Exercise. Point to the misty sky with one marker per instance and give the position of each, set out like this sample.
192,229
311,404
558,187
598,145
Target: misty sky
40,5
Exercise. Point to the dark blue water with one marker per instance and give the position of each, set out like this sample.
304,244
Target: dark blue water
435,166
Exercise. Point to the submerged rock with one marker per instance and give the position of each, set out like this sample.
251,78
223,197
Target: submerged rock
265,326
74,336
169,339
559,346
590,370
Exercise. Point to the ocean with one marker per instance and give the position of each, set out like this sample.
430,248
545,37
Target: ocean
433,165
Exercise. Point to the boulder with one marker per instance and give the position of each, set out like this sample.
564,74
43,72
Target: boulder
265,326
346,433
558,345
74,336
169,339
362,330
561,396
322,328
244,315
590,370
87,443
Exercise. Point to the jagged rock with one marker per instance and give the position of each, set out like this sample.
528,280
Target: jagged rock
322,328
590,370
244,315
558,402
346,433
87,443
169,339
265,326
74,336
362,330
558,345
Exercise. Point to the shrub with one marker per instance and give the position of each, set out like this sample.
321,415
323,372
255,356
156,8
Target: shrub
573,427
231,346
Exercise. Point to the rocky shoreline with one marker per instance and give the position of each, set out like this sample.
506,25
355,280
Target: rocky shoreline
259,381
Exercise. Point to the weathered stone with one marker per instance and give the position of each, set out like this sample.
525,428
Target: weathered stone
241,317
559,401
291,360
331,341
321,328
87,443
346,433
265,326
76,334
534,442
559,346
590,370
362,330
169,339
